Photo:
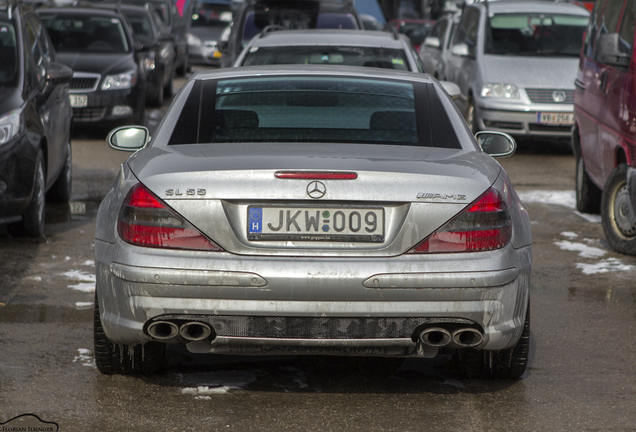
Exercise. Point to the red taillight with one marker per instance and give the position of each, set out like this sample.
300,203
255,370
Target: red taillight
483,226
315,175
144,220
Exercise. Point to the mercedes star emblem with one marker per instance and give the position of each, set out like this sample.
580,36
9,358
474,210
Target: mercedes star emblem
316,189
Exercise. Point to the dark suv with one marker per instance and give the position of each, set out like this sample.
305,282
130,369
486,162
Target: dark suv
251,17
35,122
604,132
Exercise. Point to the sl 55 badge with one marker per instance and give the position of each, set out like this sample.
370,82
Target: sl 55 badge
189,191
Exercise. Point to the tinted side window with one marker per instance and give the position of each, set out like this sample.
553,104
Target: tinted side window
33,30
467,30
438,30
43,41
627,28
611,16
595,22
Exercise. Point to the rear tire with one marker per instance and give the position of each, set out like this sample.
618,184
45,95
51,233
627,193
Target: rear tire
32,223
588,195
184,68
617,215
168,89
157,99
505,364
61,189
110,358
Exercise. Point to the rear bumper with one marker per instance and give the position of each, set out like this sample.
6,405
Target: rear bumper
257,305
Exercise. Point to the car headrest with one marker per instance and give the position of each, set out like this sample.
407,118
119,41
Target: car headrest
234,119
393,120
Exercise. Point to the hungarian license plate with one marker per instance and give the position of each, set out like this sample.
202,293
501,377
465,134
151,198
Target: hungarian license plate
333,224
555,118
78,101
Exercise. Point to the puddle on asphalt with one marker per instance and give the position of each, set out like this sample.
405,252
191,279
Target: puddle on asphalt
30,314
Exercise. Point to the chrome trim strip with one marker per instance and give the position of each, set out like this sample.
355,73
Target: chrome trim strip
486,279
225,340
167,276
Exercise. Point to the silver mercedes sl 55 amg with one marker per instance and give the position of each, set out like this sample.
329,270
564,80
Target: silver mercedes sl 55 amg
313,210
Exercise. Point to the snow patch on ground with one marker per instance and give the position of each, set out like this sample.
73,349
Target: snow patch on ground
85,358
589,217
84,287
213,383
569,234
83,305
584,251
85,282
604,266
89,263
587,251
562,198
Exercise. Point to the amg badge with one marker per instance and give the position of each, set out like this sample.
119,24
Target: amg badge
432,196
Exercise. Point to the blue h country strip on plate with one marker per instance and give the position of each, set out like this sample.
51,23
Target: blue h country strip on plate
255,221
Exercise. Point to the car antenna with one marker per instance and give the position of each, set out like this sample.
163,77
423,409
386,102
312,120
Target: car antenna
396,34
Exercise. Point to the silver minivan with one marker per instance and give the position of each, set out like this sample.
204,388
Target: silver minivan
515,64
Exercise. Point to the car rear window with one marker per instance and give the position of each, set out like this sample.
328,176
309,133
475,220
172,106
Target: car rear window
296,18
385,58
536,34
314,109
8,53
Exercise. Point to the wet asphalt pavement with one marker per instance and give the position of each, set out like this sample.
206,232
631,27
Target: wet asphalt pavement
581,374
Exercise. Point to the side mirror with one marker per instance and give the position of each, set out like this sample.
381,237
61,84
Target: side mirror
223,46
58,73
608,51
460,50
452,89
496,144
432,42
128,138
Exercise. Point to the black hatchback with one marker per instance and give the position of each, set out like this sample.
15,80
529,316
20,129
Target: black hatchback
35,122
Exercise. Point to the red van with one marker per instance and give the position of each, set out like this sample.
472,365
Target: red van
604,132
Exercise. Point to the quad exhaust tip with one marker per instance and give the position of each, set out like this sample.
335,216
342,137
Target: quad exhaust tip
440,337
194,331
163,330
190,331
435,337
467,337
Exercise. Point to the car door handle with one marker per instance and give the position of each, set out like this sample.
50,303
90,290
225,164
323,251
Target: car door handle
579,84
603,77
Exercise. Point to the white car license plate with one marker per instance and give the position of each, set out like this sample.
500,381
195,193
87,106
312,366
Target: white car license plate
555,118
78,101
339,224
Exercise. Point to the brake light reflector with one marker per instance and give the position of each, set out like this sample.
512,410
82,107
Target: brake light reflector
315,175
485,225
145,220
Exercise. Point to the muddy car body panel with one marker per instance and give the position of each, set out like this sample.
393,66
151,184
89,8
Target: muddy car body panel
315,292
